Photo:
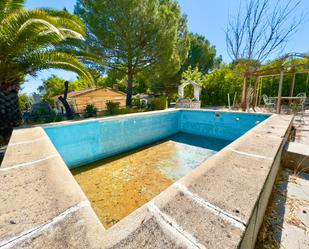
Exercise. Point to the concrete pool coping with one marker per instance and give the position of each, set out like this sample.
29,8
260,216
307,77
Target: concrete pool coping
218,205
122,116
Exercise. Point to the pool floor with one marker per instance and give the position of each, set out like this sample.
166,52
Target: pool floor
119,185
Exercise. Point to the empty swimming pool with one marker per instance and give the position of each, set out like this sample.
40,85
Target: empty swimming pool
119,185
123,162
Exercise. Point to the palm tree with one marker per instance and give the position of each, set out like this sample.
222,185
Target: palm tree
32,40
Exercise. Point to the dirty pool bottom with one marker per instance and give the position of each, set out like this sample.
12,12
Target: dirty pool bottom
119,185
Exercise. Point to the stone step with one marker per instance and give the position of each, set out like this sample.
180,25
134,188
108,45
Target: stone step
296,157
302,137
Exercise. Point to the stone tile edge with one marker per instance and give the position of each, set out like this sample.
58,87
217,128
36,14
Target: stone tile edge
9,243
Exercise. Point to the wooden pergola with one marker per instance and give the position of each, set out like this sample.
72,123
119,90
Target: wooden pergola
291,69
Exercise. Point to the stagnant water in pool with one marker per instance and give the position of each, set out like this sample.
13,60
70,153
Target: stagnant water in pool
119,185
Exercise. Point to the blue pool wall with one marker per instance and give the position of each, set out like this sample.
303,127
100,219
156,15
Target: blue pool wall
86,142
223,125
82,143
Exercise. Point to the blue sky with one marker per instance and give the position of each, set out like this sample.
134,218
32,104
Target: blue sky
205,17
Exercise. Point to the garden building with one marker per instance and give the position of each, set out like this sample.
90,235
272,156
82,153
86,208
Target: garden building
78,100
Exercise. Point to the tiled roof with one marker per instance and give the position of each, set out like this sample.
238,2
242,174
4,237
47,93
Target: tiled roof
87,90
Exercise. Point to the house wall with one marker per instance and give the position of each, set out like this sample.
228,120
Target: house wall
98,98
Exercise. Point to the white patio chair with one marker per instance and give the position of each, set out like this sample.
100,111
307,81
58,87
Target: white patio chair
298,105
269,102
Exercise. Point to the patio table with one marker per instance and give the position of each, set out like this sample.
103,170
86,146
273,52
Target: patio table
291,99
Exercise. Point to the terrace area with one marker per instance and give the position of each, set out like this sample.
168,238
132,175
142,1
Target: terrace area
176,178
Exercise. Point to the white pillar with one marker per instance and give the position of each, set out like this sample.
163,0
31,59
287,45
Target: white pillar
196,92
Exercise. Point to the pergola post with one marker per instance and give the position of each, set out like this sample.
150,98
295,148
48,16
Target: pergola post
280,90
254,99
244,93
292,86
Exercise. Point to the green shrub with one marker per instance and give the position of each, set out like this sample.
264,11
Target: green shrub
40,115
136,102
159,103
172,98
126,111
44,116
112,108
90,111
53,118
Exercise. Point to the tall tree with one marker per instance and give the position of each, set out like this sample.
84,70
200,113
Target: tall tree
132,36
261,28
201,55
24,102
32,40
164,78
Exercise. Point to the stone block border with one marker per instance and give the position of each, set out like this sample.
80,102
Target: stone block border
218,205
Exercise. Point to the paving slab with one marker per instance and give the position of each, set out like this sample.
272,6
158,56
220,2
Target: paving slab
302,137
25,153
296,154
142,230
258,145
151,235
206,225
269,131
27,135
296,157
301,125
33,195
230,181
80,229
